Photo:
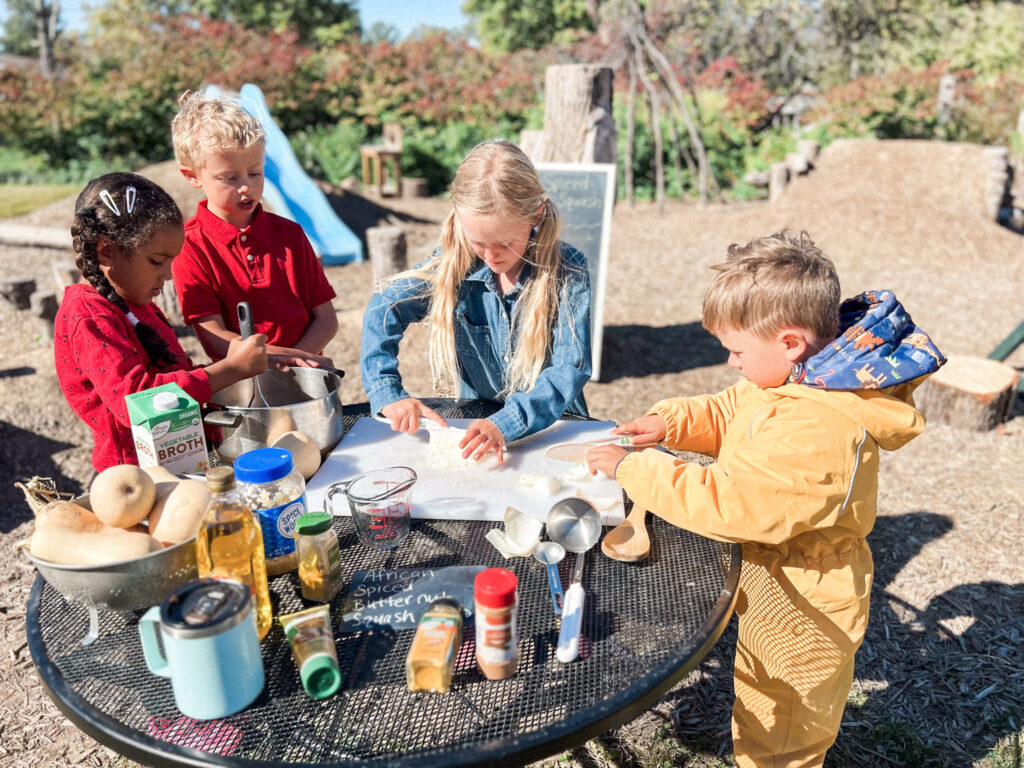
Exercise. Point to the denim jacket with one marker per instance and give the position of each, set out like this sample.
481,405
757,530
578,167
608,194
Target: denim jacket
483,347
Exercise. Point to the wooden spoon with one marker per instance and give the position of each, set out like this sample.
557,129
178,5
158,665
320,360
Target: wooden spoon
628,541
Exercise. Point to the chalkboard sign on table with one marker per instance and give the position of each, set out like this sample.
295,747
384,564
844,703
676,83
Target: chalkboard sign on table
585,195
381,599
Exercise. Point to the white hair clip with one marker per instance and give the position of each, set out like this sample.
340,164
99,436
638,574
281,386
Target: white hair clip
129,198
132,318
109,202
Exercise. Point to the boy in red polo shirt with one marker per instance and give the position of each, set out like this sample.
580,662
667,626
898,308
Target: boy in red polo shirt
234,250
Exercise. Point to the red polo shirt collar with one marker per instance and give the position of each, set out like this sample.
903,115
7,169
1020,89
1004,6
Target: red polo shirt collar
224,232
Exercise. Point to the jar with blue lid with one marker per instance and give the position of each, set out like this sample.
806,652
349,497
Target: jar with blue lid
270,486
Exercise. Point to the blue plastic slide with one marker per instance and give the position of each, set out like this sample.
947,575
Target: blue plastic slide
291,193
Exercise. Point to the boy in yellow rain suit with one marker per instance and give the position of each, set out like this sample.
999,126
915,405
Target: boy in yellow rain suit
795,481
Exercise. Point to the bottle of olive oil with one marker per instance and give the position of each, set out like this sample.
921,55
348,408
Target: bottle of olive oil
229,544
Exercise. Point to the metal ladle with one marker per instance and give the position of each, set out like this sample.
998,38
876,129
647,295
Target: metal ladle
576,525
551,553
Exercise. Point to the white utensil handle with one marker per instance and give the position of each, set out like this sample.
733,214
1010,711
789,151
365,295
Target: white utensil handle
572,619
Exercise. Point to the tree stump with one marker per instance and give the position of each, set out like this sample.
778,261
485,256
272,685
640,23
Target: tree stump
578,124
778,178
387,251
17,291
413,187
44,306
169,305
969,392
65,273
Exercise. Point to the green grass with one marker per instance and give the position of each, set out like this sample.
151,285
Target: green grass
16,199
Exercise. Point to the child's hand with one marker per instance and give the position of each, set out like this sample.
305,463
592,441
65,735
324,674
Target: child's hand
481,437
647,430
249,355
405,414
605,458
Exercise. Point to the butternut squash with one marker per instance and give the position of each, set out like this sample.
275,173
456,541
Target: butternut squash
71,546
176,516
122,495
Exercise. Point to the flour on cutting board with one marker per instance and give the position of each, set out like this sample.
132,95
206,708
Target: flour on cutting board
477,491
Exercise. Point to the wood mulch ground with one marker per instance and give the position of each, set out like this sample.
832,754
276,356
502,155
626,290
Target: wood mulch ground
940,679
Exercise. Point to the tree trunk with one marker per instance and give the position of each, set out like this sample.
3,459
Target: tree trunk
630,131
578,124
652,96
46,34
969,392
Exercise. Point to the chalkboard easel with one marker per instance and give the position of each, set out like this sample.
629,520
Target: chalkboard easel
585,196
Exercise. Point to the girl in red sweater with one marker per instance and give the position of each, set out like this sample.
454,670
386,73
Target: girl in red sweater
110,340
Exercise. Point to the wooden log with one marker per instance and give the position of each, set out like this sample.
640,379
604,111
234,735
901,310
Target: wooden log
414,187
169,305
387,249
578,124
809,148
969,392
65,273
44,306
778,178
17,291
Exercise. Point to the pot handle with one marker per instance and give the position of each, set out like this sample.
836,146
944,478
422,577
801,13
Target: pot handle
222,419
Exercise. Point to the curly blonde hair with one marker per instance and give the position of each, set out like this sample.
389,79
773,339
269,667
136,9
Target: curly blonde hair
496,179
773,282
211,123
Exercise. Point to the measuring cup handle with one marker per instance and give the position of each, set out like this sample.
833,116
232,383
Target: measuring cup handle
572,619
556,587
341,487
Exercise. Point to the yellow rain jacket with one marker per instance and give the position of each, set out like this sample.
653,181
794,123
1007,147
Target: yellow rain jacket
796,483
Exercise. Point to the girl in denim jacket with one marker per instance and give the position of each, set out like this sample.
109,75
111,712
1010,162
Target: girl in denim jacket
507,302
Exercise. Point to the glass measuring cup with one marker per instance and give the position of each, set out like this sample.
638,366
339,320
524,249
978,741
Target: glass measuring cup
381,505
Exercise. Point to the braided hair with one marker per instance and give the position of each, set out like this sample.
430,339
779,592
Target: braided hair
128,210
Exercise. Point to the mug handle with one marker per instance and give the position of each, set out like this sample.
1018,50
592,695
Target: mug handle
341,487
155,659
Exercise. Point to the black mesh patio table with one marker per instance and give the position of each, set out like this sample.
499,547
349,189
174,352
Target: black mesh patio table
645,626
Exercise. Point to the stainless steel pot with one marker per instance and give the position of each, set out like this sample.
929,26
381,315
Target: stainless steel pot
303,399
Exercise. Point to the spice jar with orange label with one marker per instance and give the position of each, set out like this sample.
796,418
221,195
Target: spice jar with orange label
497,642
431,658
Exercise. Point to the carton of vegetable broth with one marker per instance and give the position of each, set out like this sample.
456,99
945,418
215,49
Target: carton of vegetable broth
168,430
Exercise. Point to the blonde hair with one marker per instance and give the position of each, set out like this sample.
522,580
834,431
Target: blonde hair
771,283
496,179
211,123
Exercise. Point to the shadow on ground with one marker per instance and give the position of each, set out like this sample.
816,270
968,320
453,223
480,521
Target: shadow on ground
962,657
27,455
645,350
360,213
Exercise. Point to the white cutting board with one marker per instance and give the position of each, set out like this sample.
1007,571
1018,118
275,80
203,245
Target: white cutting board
469,493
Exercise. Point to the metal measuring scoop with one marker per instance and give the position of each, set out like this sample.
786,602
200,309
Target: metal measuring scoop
576,525
551,553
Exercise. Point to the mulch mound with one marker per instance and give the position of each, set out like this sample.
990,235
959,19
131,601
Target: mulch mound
940,678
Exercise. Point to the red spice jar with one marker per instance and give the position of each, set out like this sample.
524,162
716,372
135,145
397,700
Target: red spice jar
497,642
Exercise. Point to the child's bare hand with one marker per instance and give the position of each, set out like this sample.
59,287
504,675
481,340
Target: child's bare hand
604,458
646,430
249,354
481,437
405,414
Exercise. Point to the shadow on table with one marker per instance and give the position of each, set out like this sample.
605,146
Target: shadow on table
938,684
644,350
27,454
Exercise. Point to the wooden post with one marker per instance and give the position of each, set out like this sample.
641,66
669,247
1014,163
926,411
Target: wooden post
17,291
777,179
415,187
387,251
578,124
44,306
969,392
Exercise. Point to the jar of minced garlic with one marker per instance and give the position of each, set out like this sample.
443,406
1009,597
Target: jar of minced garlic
270,486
